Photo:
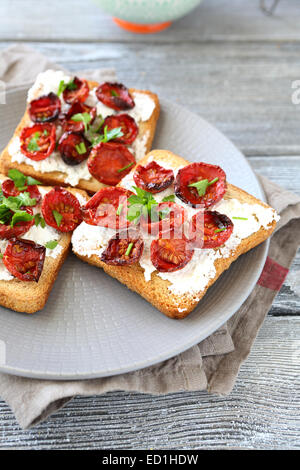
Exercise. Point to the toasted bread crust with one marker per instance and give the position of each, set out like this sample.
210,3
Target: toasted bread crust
29,297
156,290
58,178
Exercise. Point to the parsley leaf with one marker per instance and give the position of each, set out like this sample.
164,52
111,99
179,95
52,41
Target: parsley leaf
26,200
82,117
81,148
57,216
20,216
119,210
140,204
99,123
108,135
71,85
39,220
164,213
21,181
129,249
31,181
51,244
202,185
114,93
18,178
61,87
13,204
33,143
125,167
169,198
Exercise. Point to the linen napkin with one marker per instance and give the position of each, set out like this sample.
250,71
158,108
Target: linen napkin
214,363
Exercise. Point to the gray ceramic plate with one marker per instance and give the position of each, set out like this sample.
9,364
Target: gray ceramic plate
92,326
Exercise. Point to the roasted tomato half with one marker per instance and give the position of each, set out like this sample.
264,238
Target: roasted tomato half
38,141
77,91
153,177
209,229
61,210
45,108
21,227
109,162
123,249
24,259
69,125
108,208
200,183
128,127
115,96
165,217
170,254
74,148
9,189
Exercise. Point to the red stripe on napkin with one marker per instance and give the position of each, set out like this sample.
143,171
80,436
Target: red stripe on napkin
273,275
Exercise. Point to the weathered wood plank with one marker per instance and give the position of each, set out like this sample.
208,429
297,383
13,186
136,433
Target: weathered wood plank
244,89
217,20
262,411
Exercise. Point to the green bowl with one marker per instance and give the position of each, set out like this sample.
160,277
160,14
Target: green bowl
144,15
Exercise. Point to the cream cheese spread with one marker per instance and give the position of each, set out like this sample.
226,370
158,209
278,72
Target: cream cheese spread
47,82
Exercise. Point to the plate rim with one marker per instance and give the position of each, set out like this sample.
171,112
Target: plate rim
13,370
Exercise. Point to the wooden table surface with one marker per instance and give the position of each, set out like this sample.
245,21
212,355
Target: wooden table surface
234,66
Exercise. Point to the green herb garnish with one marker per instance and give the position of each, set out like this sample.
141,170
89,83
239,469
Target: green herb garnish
39,220
100,124
81,148
119,210
51,244
125,167
71,85
107,135
25,199
169,198
202,185
20,216
82,117
140,204
13,204
33,143
18,178
61,87
164,213
57,216
21,181
129,249
240,218
220,230
114,93
31,181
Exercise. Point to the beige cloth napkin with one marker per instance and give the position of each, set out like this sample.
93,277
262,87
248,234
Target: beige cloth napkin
214,363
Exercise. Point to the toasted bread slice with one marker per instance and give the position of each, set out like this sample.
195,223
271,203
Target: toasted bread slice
146,131
156,290
29,297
